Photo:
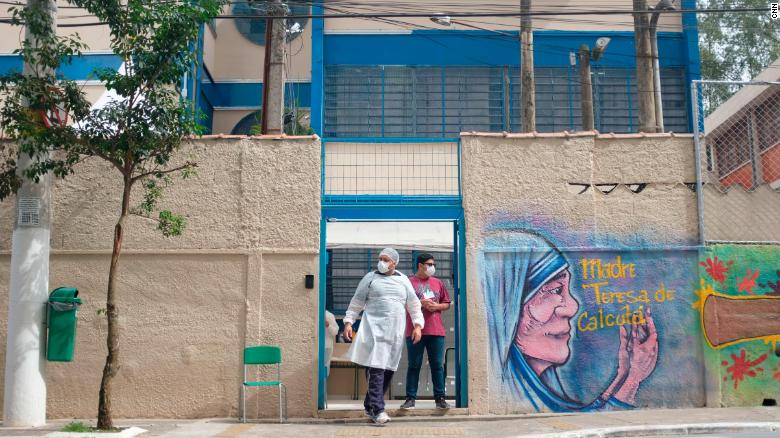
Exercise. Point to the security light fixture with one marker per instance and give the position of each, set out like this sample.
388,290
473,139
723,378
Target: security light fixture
295,29
601,45
665,5
442,20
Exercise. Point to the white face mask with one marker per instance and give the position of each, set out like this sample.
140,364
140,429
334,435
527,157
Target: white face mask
382,266
430,270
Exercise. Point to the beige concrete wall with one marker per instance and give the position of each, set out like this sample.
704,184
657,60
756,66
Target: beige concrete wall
209,48
95,37
226,120
189,305
667,23
529,176
238,58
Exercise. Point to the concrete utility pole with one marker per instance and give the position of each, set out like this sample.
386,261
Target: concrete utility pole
659,110
586,84
663,5
527,83
24,401
273,72
644,68
586,89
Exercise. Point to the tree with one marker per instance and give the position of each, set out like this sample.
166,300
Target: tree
138,134
735,46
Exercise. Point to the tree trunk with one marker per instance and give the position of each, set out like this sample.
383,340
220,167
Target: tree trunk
110,370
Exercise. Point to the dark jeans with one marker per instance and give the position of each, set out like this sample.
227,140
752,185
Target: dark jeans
435,347
378,382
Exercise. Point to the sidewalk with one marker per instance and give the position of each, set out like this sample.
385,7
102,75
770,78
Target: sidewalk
759,420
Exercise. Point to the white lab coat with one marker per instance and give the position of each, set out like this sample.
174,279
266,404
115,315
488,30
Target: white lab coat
384,300
330,337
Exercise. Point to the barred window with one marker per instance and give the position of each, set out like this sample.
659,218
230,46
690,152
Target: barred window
425,101
347,266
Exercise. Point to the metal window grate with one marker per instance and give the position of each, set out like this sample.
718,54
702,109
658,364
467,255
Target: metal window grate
738,136
742,137
423,101
391,169
346,266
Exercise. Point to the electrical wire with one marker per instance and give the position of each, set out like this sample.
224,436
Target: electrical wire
467,21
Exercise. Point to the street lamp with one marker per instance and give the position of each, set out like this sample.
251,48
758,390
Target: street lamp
663,5
586,87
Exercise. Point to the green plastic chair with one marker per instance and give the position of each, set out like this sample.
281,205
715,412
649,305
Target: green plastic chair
263,355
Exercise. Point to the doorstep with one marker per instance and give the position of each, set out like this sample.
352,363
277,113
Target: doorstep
347,414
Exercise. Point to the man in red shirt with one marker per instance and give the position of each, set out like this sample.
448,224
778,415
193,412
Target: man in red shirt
435,299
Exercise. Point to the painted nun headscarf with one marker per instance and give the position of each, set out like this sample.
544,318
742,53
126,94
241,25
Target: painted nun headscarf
516,264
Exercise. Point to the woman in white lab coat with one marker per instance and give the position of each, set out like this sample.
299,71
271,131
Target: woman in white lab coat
384,296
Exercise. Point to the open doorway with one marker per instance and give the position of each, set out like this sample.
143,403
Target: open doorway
352,250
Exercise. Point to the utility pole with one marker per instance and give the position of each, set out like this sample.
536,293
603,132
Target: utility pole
273,71
659,110
24,398
644,68
663,5
586,84
586,89
527,83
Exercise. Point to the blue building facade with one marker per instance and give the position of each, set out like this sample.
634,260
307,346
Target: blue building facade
365,78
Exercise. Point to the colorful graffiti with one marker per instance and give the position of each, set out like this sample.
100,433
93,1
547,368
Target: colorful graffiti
578,328
738,303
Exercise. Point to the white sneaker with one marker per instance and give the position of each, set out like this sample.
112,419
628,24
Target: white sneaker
382,418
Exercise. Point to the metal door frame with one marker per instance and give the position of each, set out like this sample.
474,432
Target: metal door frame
404,211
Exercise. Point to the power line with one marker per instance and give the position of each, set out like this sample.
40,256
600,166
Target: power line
458,14
490,14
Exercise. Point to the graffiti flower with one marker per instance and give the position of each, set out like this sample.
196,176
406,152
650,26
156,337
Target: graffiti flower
717,269
747,283
742,367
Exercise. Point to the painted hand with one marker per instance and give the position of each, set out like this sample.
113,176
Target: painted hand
643,357
624,354
624,358
644,354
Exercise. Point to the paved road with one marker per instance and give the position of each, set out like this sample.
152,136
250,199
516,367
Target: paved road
735,435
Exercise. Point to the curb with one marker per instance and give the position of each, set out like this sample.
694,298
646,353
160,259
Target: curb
665,430
412,418
125,433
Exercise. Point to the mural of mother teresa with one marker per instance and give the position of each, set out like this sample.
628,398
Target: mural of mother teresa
526,282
